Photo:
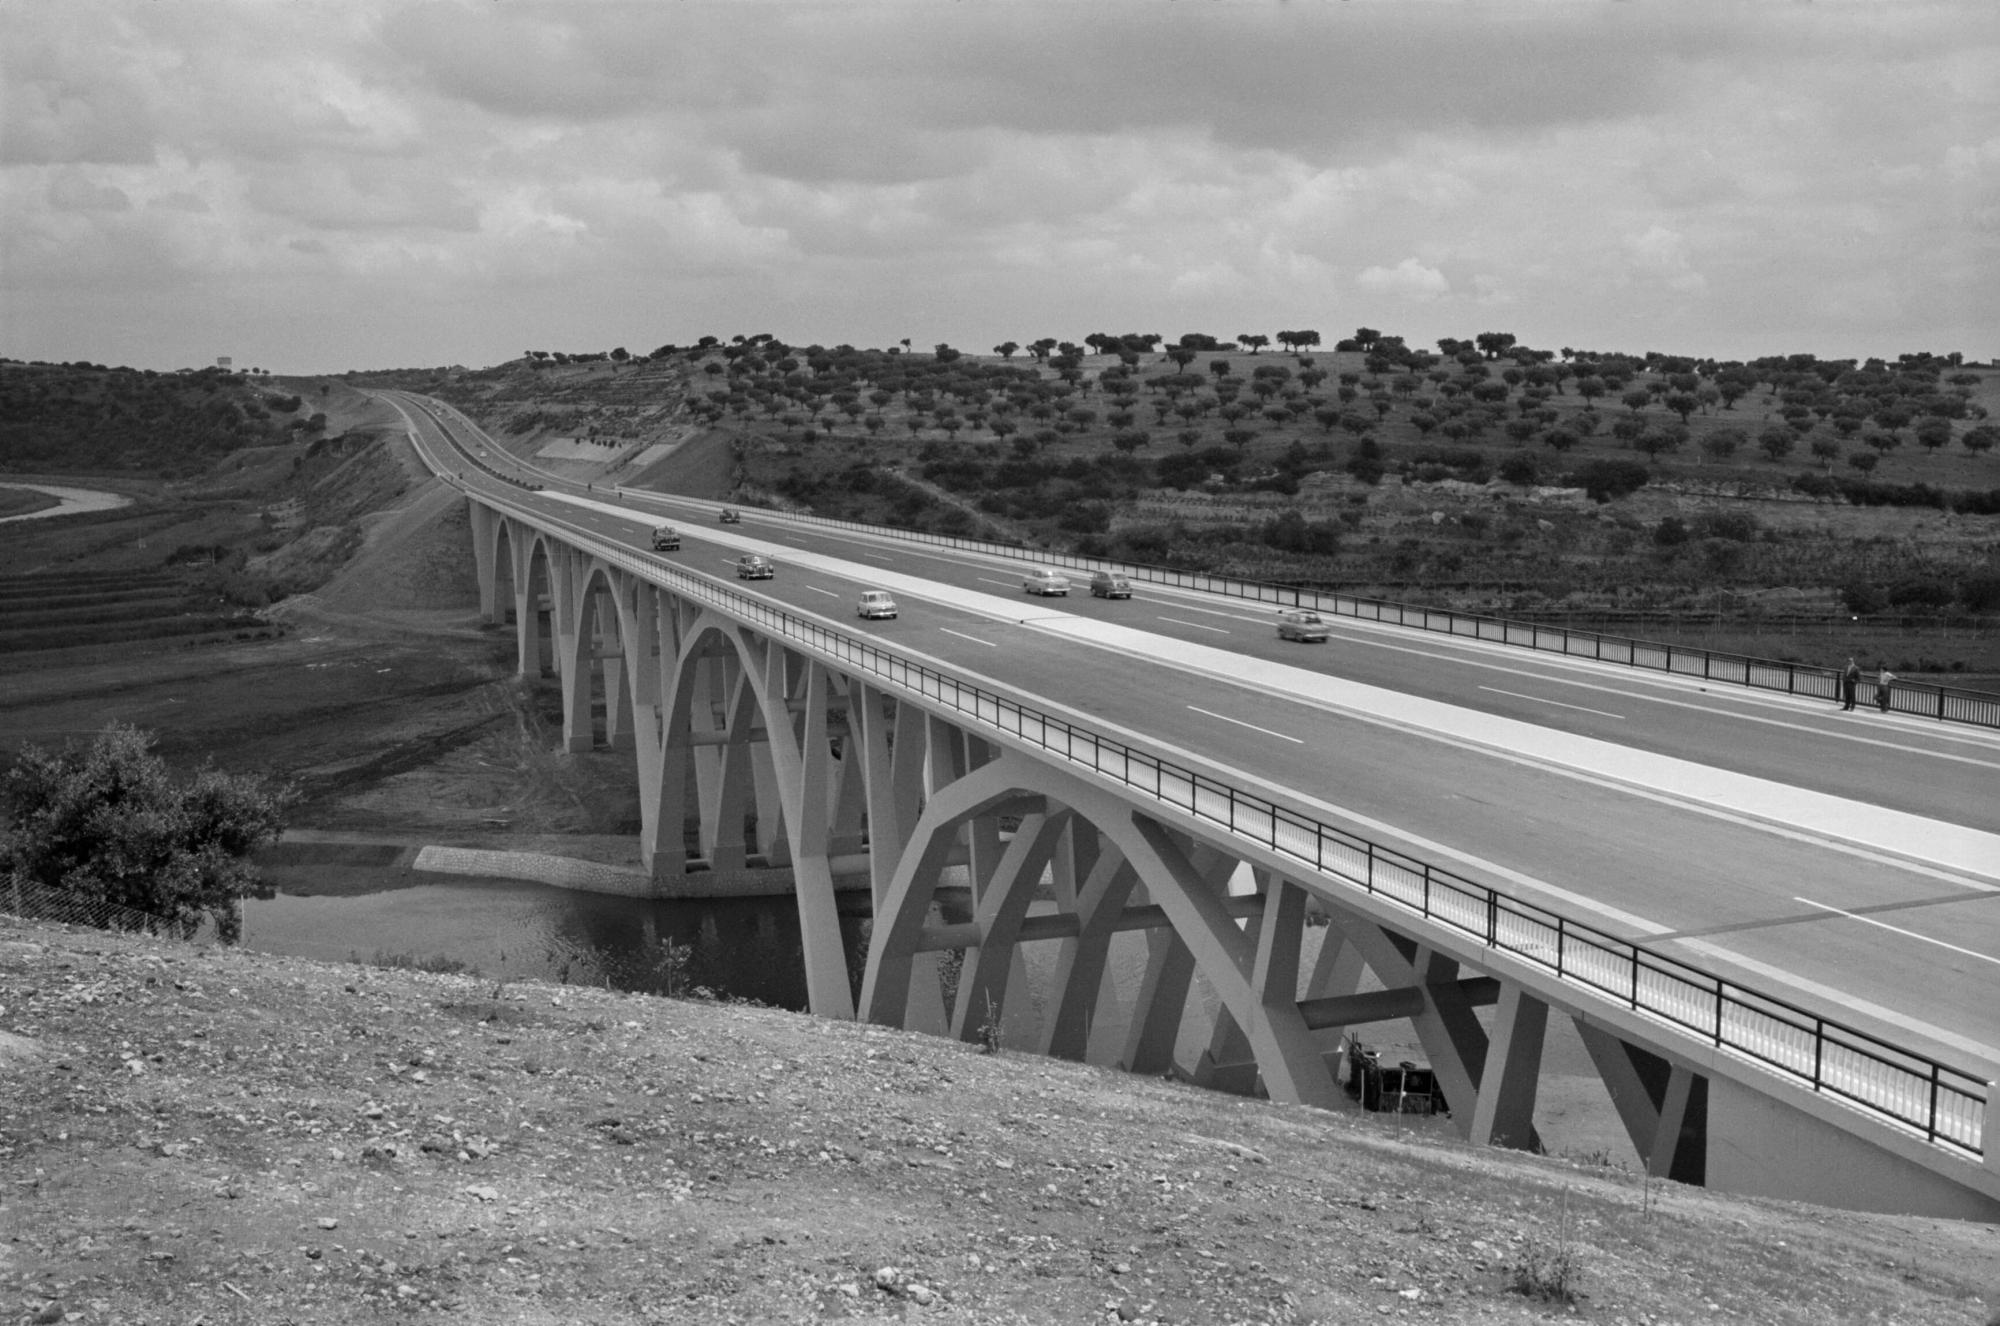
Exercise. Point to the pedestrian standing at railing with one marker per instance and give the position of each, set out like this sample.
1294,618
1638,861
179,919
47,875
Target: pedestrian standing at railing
1850,682
1882,681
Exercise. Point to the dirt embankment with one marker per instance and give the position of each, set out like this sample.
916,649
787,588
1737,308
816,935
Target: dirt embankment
205,1134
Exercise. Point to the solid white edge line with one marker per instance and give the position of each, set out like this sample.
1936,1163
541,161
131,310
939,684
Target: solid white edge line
1296,741
1895,929
1536,699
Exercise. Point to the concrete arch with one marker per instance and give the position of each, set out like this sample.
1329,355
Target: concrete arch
590,652
745,724
1255,973
507,549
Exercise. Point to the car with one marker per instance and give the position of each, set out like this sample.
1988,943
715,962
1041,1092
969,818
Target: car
666,539
1301,624
752,567
1110,585
876,603
1045,580
731,516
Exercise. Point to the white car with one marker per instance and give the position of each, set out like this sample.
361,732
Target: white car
1045,580
876,603
1302,624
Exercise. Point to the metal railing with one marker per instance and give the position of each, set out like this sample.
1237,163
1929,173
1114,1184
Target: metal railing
1950,704
1944,1104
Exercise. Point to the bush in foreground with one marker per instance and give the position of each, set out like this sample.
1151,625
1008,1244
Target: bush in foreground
109,823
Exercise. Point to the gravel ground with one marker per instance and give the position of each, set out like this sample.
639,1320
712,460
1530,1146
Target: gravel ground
198,1134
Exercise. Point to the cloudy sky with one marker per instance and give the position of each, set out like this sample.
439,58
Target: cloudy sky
315,186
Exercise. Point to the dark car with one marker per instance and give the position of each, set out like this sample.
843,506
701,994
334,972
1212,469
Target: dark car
752,567
666,539
731,516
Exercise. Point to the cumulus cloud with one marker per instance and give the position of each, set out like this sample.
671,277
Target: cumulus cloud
1408,277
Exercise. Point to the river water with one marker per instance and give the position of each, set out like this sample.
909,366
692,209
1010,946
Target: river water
505,929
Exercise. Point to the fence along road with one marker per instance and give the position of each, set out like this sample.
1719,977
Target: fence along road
1840,1061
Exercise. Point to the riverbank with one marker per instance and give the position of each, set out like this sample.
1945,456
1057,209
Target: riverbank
200,1133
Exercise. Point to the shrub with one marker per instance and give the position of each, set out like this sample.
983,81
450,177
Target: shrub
1921,592
1863,599
108,823
1608,480
1519,468
1737,526
1292,532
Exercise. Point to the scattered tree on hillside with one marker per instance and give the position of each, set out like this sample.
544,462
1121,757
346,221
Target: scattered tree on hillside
1722,443
1255,341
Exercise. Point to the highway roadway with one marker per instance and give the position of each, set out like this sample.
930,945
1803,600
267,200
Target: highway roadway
1849,862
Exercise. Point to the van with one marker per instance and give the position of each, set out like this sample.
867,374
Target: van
1109,585
1045,580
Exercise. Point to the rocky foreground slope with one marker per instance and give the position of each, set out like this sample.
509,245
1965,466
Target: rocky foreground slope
198,1134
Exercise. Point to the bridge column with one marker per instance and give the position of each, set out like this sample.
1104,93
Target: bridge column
485,554
726,791
994,971
690,757
1159,1004
638,605
800,759
1504,1114
1082,970
612,654
1664,1105
573,643
527,600
890,737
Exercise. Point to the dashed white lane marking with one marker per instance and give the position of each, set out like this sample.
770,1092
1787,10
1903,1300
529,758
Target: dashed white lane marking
828,592
1602,713
1296,741
1869,920
1197,626
990,644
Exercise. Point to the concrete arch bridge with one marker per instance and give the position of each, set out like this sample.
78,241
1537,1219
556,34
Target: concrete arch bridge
764,736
